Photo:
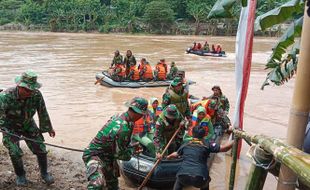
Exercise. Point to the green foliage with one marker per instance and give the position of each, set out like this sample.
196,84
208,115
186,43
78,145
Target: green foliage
282,71
282,64
32,13
159,16
279,14
8,10
222,9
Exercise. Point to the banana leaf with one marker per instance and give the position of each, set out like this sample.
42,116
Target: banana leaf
286,40
221,9
285,69
279,15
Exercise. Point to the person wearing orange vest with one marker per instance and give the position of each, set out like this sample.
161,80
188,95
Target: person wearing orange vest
213,50
194,48
161,70
199,46
145,70
209,105
202,119
134,74
218,48
119,72
143,133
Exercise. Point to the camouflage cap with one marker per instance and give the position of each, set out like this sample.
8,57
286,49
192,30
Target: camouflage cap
138,104
172,63
171,112
176,81
28,80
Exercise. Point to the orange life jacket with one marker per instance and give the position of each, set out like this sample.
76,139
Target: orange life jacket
136,74
218,49
205,104
123,70
161,71
148,74
140,124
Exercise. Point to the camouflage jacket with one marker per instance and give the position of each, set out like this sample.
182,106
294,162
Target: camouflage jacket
130,61
117,60
179,99
112,141
224,103
164,131
173,72
17,114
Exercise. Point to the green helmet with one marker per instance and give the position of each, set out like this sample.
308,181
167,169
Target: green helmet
171,112
176,81
28,80
138,104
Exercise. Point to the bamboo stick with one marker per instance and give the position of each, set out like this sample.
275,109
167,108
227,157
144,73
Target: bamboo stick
158,160
300,105
293,158
233,164
257,177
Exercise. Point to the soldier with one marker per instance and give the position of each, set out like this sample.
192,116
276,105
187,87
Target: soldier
167,123
117,59
129,61
111,143
17,108
173,71
178,95
218,95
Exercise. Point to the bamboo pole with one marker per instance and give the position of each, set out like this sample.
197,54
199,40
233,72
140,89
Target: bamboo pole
257,177
159,159
233,164
300,105
293,158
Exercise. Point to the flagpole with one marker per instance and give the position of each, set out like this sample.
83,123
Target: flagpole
300,105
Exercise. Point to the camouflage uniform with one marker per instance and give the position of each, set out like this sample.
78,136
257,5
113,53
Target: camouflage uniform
222,101
101,154
129,61
16,116
111,143
117,60
164,130
173,72
179,99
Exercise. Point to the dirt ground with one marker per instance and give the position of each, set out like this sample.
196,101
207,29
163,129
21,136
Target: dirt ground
67,174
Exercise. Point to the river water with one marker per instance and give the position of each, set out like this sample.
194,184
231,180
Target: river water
67,64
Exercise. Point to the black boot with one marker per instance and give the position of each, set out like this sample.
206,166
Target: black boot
47,178
18,165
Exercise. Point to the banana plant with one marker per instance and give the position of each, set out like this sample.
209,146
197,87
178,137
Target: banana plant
282,62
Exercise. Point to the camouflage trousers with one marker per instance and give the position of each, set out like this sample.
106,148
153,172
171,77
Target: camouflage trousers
101,175
12,143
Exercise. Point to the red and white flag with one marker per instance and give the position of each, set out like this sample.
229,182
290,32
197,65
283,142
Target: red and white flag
244,44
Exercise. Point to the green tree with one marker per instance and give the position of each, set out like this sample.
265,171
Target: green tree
199,10
32,13
8,10
159,16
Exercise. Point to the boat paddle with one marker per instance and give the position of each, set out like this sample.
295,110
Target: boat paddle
98,80
160,158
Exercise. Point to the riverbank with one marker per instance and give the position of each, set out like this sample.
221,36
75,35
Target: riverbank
67,173
219,30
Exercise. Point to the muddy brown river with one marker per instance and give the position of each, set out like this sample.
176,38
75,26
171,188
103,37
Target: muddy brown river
67,64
